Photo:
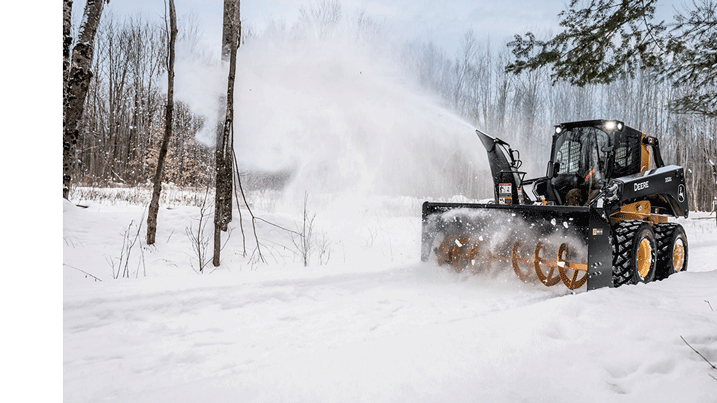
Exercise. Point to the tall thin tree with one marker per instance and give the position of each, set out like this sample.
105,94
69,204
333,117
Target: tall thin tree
76,81
168,116
223,196
66,43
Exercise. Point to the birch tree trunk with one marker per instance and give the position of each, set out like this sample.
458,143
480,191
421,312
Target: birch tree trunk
223,196
77,81
168,116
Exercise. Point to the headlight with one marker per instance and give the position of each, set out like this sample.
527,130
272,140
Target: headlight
610,125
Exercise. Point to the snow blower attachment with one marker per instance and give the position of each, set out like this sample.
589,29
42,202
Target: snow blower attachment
598,216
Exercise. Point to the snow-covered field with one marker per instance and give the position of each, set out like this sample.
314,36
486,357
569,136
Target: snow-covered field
374,324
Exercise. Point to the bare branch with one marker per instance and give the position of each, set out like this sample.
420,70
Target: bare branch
253,218
86,273
698,353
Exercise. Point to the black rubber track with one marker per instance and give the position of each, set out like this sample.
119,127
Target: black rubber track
665,236
624,259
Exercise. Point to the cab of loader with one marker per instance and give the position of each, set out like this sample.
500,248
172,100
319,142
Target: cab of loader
585,155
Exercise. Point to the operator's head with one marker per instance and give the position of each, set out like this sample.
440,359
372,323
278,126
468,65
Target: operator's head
573,197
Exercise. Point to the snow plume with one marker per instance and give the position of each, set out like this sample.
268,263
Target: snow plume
332,107
200,80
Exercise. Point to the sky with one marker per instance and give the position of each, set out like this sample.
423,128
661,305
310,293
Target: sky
445,22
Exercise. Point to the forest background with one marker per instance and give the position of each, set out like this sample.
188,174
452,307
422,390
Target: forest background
122,125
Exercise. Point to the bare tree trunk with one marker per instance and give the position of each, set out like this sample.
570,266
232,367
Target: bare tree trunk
78,80
66,43
154,204
223,196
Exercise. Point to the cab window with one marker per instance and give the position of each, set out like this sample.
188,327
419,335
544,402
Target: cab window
579,150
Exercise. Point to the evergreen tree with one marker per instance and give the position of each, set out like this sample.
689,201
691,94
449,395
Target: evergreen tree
608,40
693,48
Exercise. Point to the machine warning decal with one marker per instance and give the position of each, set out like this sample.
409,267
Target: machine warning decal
597,231
505,191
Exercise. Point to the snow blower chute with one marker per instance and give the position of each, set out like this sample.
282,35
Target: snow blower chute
598,217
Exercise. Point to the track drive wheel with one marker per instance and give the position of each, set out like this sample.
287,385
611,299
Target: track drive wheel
634,253
671,249
549,278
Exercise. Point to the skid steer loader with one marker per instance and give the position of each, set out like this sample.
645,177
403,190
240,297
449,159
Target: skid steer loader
599,215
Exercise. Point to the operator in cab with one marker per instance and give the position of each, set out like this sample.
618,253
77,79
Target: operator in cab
581,155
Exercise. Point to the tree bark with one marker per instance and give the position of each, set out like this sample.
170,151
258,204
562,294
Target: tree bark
66,43
168,116
223,196
78,80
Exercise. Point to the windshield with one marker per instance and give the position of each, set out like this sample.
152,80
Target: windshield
579,151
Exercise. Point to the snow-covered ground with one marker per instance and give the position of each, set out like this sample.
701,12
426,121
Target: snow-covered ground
374,324
366,321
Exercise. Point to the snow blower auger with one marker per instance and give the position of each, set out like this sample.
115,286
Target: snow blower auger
598,216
